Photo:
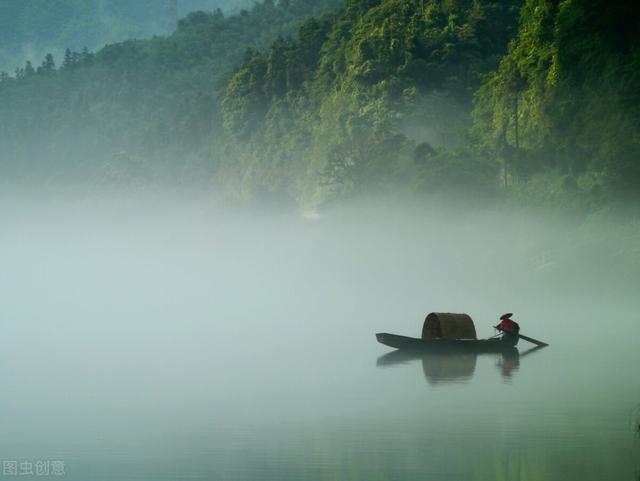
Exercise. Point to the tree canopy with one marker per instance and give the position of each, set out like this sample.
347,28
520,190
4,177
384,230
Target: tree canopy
316,100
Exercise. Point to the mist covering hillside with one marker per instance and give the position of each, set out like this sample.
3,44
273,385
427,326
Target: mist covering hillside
306,103
29,29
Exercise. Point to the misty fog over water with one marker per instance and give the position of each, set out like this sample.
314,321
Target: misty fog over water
164,336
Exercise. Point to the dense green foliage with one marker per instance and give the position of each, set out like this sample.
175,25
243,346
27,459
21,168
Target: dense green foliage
562,111
388,96
535,98
332,112
135,107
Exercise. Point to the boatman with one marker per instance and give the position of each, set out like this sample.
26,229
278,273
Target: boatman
507,325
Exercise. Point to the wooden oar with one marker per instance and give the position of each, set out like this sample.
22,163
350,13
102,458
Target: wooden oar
527,338
533,341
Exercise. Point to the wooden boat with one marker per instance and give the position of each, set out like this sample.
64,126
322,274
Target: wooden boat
444,331
501,344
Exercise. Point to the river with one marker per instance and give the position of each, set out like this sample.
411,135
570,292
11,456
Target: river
153,338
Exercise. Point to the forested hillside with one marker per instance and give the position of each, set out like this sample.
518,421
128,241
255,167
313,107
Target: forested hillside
138,107
370,98
312,101
31,28
562,112
387,97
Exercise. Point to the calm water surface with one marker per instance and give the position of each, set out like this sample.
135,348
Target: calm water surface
150,341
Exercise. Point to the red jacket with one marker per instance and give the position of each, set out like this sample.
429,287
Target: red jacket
507,325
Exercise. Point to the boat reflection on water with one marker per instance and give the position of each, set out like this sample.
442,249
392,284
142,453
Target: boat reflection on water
455,367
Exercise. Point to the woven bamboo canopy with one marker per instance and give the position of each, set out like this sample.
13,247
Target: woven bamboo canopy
447,325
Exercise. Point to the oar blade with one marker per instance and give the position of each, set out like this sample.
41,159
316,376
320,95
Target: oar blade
533,341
